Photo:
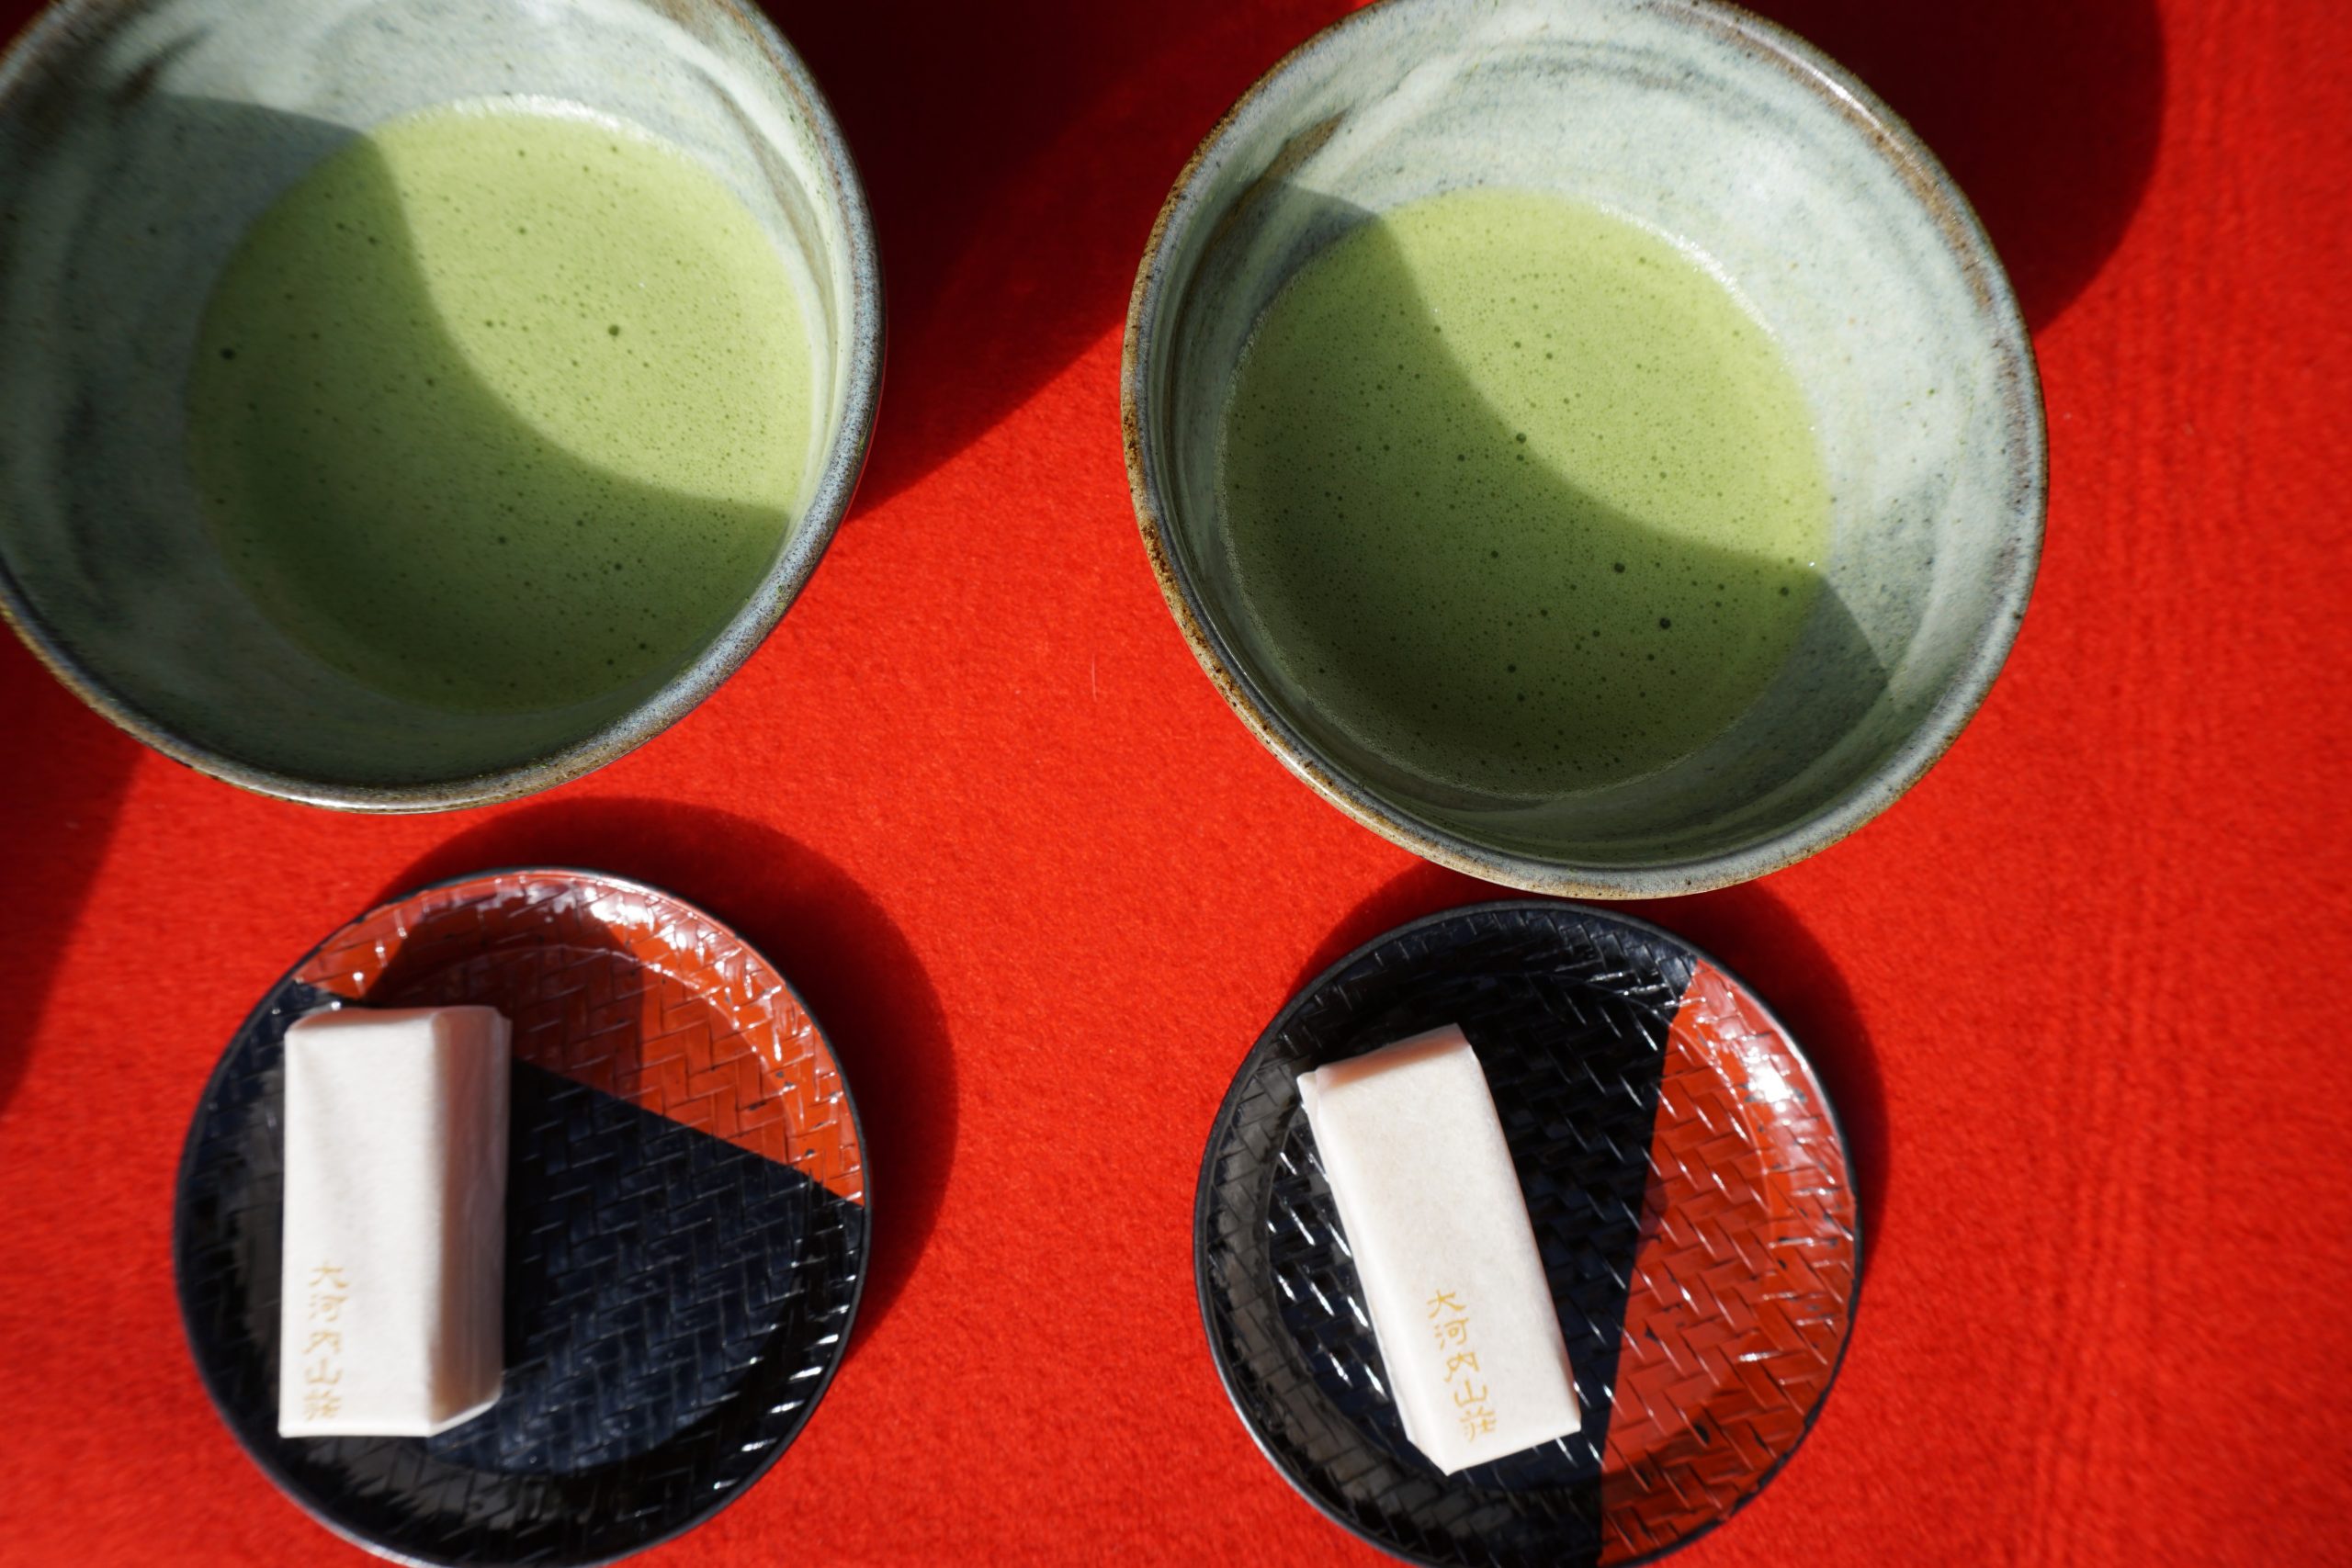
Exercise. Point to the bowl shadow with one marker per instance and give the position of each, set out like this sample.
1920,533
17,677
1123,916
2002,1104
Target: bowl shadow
64,783
1015,155
2047,116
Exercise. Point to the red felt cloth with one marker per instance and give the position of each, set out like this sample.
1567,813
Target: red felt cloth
2074,993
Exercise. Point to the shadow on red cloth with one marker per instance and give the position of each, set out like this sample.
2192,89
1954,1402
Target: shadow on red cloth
2047,115
841,951
60,789
1016,154
1754,935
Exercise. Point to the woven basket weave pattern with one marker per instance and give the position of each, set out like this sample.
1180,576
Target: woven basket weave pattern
683,1252
1697,1237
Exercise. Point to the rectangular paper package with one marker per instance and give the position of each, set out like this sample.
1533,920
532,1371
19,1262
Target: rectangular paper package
1434,1216
395,1221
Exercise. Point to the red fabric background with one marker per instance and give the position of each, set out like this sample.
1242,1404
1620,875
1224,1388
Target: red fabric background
2077,995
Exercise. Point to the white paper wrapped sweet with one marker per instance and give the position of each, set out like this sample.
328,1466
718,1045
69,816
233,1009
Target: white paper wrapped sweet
395,1221
1433,1214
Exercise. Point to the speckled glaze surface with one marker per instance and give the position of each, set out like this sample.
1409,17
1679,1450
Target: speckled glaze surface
138,141
1840,232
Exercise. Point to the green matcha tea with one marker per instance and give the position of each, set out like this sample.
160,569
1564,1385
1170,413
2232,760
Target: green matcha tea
1519,494
502,407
